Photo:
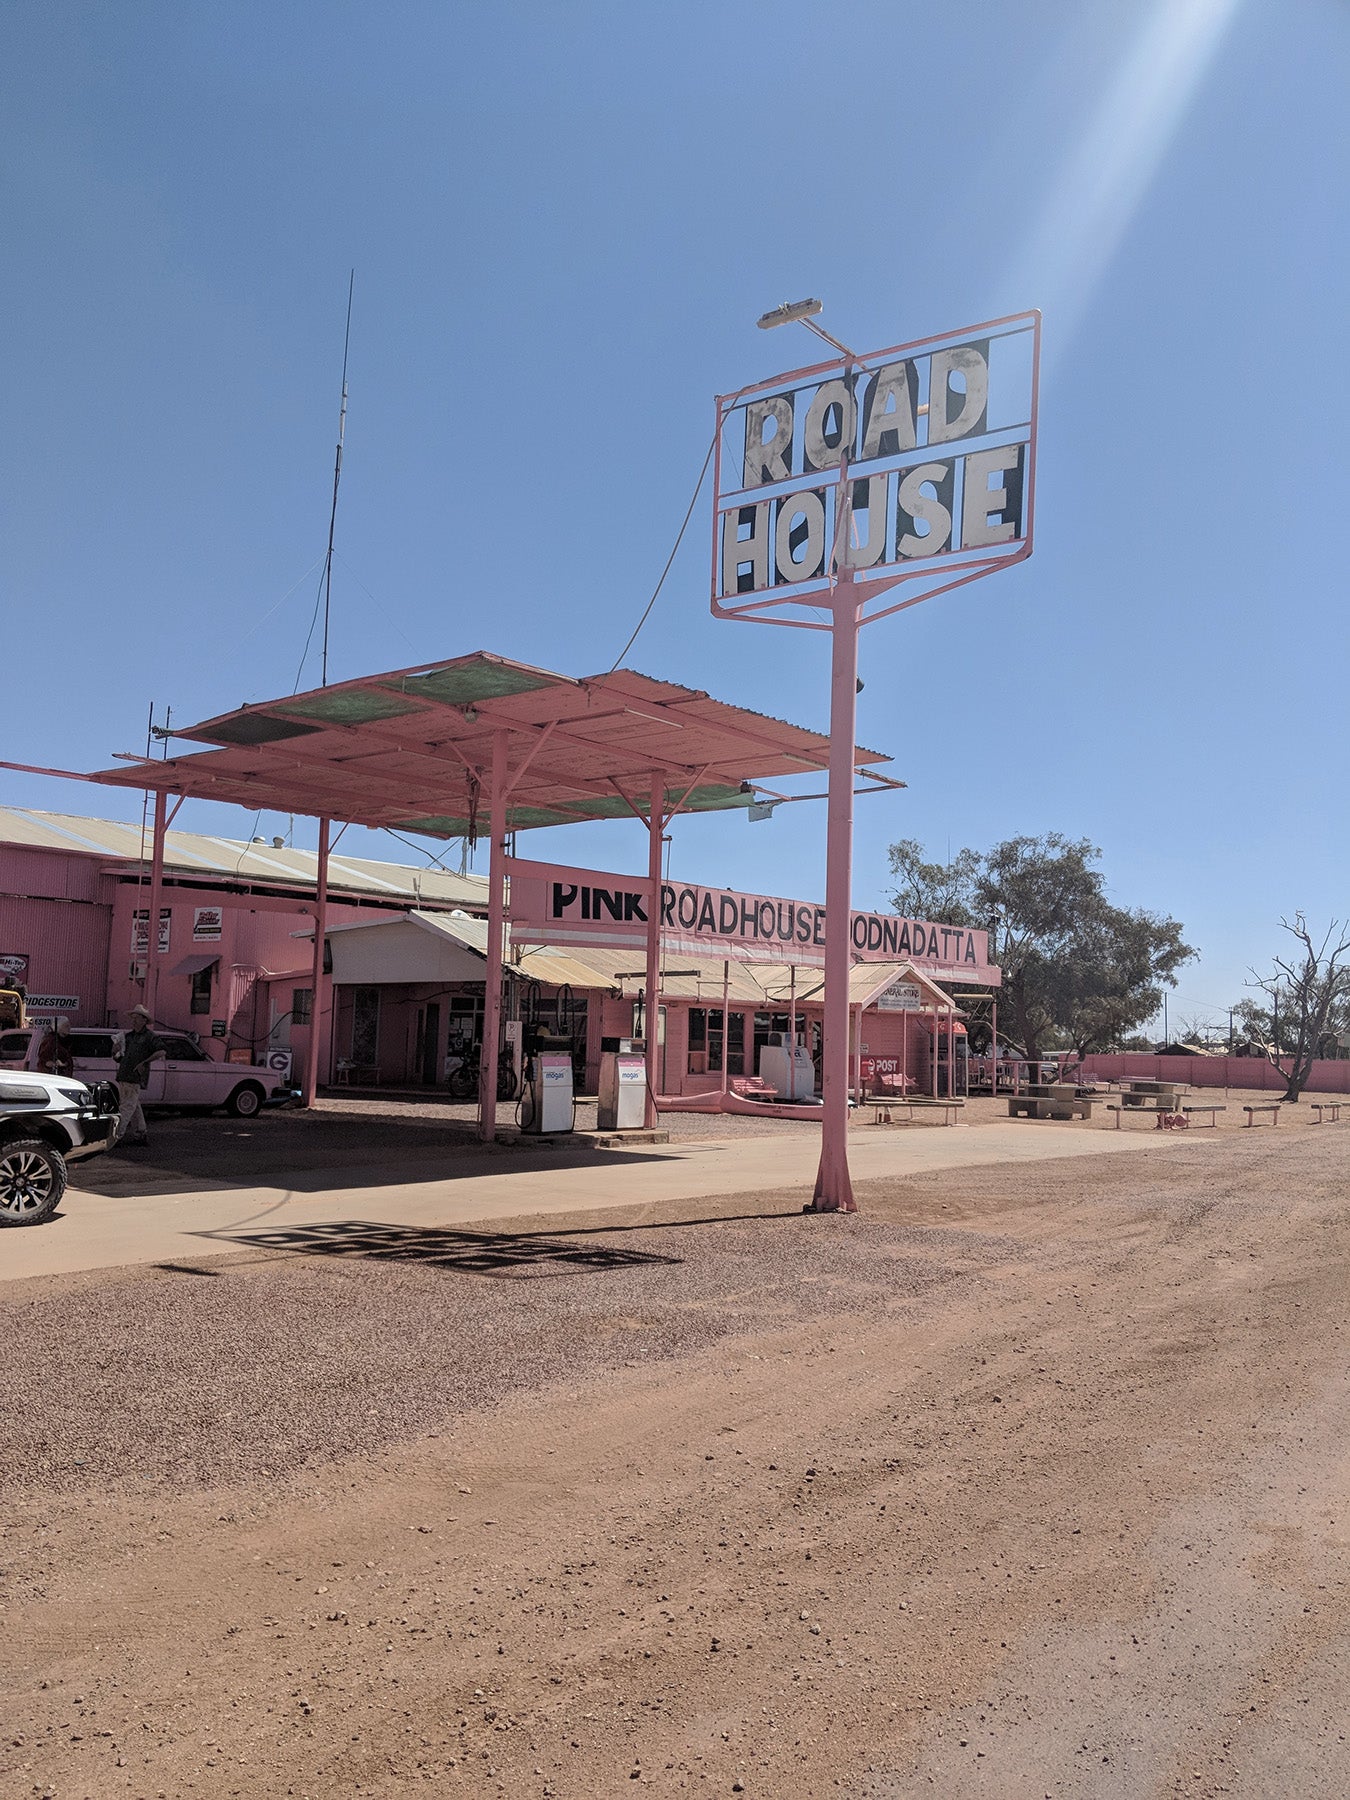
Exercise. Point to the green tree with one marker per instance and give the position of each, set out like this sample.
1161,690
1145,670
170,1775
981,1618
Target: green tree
1077,971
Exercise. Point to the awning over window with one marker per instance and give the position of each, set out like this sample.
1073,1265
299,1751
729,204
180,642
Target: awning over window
193,965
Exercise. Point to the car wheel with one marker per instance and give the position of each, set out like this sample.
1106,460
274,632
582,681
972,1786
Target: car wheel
32,1181
245,1101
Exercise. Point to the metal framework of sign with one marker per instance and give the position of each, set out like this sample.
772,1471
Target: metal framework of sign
908,464
588,907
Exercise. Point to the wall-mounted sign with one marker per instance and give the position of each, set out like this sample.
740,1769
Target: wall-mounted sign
937,442
900,996
217,1028
207,924
554,905
52,1004
140,931
13,967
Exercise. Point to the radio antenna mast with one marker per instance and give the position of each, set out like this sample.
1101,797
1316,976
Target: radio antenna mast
337,476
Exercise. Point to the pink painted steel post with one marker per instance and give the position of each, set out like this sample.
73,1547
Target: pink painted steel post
156,900
726,1034
792,1030
656,811
834,1189
316,995
492,997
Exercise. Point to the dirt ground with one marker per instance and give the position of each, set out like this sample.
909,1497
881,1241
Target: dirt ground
1030,1480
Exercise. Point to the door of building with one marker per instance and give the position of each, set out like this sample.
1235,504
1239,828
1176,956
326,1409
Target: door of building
426,1066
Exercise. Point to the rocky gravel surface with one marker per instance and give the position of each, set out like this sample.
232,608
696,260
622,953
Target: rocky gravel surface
1029,1481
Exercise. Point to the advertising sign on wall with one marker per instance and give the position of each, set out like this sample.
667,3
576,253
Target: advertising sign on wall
207,924
140,931
900,996
13,967
52,1005
555,905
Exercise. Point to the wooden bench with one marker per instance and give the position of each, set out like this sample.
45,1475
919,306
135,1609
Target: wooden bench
1270,1106
751,1087
1049,1106
1213,1112
1320,1107
1162,1110
882,1110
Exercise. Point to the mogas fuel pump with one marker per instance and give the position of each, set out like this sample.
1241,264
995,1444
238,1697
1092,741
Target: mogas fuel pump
546,1106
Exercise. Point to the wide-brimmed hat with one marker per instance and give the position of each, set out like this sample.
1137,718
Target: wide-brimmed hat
144,1011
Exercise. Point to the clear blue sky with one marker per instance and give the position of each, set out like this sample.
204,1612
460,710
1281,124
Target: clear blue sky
564,222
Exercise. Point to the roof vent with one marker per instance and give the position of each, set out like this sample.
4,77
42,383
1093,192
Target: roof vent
260,840
278,843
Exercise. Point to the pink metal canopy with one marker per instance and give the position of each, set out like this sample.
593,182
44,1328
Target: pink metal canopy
412,749
483,744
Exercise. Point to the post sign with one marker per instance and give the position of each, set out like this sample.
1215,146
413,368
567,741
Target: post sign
556,905
908,463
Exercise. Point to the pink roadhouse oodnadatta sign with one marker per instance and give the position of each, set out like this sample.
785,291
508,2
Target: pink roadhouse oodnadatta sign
590,908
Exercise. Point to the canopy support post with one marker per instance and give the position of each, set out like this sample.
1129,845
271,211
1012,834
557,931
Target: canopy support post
492,997
156,901
316,990
656,821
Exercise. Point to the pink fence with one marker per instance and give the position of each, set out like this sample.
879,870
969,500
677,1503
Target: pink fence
1216,1071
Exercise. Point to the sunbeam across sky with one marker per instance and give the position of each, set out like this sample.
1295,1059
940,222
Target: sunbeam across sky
1120,151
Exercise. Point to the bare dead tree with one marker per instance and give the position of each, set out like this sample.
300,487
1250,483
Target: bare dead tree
1307,986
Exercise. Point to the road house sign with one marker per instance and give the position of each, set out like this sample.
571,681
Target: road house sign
552,905
937,442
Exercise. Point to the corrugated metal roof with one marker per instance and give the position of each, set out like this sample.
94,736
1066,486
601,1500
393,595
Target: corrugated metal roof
191,853
412,748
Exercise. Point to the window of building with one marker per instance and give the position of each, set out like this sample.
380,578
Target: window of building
201,990
302,1005
705,1041
698,1040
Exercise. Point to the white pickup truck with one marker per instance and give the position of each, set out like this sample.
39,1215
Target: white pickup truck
185,1076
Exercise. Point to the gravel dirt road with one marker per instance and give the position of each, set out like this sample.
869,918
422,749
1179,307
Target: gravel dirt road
1032,1480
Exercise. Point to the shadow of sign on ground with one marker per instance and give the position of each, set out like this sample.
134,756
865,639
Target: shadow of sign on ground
502,1254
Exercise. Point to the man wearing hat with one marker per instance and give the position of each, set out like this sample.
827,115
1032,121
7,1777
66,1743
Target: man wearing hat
133,1071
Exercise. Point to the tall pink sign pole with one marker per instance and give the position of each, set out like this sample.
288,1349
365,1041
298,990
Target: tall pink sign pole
932,446
834,1188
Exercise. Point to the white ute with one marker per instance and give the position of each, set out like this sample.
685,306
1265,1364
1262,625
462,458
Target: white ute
185,1076
47,1121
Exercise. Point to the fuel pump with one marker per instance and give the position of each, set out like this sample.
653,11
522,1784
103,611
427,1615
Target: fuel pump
547,1104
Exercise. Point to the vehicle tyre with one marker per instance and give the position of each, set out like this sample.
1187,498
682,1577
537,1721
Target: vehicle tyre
32,1181
246,1100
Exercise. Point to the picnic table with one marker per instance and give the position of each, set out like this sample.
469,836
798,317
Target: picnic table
1050,1100
1151,1094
